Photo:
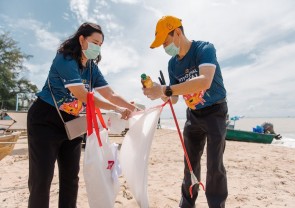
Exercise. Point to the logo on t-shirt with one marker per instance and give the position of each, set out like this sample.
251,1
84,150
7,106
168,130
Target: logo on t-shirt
189,74
192,100
72,105
73,108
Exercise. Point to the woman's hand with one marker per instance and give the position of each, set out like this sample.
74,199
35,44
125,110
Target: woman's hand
125,113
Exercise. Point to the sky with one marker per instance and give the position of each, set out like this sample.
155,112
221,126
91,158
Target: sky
254,40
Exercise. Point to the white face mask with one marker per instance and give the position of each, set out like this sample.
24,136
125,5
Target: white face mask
172,49
92,51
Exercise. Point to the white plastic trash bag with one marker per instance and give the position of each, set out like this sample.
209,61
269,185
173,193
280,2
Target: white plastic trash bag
135,150
101,168
100,171
114,123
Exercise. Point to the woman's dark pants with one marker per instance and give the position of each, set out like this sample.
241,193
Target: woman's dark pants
48,143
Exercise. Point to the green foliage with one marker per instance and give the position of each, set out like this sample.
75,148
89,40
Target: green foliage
11,65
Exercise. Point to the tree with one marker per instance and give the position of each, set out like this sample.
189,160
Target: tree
11,65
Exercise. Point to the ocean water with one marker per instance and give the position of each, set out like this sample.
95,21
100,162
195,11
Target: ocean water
283,126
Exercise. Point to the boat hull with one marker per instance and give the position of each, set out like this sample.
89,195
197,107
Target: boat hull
247,136
7,143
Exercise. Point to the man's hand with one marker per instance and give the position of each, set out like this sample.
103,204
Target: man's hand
155,92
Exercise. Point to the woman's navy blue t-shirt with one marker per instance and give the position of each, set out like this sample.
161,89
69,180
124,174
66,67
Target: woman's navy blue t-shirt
65,72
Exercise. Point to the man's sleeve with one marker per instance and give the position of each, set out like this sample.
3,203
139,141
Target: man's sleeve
208,56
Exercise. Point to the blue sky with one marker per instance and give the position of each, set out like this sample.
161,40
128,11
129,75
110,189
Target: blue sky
255,42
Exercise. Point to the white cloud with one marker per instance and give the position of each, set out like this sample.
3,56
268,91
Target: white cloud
260,85
95,11
236,28
126,1
158,13
101,3
38,73
66,16
80,8
267,84
46,40
254,42
233,26
117,56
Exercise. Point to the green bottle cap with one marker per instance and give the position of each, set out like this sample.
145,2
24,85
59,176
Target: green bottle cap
143,76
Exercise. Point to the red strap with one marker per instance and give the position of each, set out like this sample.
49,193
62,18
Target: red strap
98,113
91,117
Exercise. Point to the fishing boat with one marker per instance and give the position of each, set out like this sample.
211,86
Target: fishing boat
261,133
7,143
248,136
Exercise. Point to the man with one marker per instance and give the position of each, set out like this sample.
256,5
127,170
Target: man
195,73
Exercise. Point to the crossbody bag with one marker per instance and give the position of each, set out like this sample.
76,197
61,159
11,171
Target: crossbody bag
77,126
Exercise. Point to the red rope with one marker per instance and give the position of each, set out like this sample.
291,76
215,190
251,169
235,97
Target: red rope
180,136
184,149
191,188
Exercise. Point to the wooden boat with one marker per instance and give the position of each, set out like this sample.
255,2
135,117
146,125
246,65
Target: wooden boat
248,136
7,143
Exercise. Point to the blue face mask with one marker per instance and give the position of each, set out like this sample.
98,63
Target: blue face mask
171,49
92,51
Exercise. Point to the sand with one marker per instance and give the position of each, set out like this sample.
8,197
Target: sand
259,175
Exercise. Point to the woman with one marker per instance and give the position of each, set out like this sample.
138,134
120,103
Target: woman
69,79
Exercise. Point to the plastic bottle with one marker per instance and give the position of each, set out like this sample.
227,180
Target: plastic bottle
146,81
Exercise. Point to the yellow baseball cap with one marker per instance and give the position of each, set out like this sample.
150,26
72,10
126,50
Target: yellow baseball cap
164,26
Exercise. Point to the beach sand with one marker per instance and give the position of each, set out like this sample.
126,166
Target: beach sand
259,175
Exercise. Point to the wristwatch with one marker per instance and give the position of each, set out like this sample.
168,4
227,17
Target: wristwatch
168,91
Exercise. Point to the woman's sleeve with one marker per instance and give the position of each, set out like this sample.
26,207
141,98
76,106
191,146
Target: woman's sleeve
98,79
68,71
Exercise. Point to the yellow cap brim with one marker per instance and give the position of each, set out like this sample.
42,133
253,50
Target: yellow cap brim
159,40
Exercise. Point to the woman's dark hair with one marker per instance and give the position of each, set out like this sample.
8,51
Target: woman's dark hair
71,47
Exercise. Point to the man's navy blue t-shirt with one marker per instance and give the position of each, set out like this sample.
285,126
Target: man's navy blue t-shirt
65,72
200,54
